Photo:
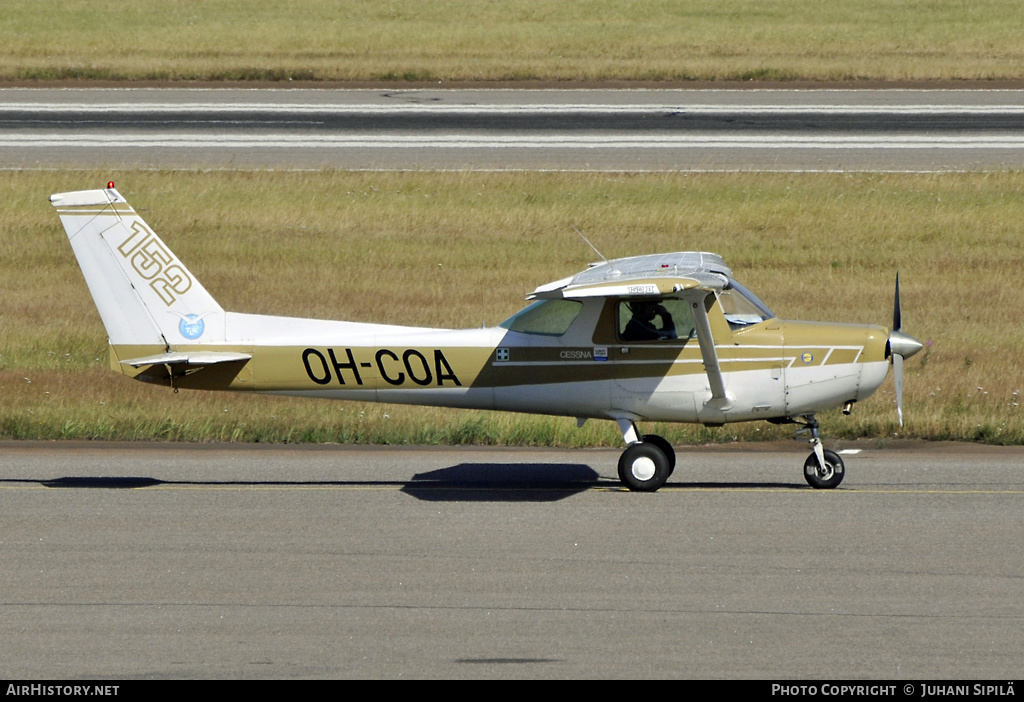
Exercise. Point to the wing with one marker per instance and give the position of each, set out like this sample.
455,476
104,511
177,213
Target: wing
657,275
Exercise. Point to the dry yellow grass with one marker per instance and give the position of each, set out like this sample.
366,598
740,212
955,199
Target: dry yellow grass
446,40
456,250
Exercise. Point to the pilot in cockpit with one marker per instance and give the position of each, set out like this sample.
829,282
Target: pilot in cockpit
641,326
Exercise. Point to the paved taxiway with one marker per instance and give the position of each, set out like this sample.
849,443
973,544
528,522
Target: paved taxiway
317,561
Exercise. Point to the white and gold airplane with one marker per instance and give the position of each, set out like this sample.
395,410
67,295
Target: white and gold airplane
667,337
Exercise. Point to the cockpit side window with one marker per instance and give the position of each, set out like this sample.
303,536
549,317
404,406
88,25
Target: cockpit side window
654,320
545,317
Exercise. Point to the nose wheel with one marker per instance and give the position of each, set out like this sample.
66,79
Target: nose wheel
823,469
827,474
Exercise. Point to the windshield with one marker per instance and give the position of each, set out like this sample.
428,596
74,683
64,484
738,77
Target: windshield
741,307
547,317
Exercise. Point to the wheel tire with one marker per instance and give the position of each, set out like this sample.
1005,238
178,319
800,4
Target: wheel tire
666,448
826,479
643,467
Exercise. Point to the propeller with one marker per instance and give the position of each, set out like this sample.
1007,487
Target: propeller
901,346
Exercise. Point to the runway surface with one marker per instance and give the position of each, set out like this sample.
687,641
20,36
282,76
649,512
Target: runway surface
631,130
234,561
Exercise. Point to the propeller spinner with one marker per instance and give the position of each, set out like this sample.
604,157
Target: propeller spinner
901,346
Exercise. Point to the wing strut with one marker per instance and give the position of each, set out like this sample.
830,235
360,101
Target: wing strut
708,353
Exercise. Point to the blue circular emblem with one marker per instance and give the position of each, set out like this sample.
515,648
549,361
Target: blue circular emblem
807,357
191,326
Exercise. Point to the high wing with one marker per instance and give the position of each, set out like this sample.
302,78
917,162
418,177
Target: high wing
690,275
642,276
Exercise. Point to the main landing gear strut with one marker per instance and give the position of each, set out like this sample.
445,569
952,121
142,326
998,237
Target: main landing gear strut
649,459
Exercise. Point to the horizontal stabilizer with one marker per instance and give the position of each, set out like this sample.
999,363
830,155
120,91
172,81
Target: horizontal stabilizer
191,358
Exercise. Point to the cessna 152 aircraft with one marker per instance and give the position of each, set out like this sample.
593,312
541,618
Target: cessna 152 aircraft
668,337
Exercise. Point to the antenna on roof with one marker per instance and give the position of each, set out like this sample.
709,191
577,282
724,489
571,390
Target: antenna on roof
589,244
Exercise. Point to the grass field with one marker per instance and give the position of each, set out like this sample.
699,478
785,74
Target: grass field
478,40
461,249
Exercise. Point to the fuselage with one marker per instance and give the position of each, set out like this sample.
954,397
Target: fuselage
772,369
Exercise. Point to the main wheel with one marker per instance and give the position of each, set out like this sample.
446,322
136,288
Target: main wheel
643,467
824,478
666,448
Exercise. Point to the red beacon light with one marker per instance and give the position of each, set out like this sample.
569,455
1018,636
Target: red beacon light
110,185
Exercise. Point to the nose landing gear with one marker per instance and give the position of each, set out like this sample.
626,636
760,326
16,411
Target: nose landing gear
823,469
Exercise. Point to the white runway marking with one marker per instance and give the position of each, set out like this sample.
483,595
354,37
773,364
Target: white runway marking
468,141
524,109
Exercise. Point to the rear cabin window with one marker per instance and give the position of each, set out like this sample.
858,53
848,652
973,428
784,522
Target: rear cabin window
545,317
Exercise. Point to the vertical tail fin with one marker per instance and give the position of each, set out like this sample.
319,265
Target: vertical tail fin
144,294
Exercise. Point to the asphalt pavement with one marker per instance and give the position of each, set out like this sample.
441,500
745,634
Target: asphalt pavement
136,561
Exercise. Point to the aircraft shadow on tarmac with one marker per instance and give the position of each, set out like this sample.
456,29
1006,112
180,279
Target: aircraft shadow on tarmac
464,482
481,482
504,482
